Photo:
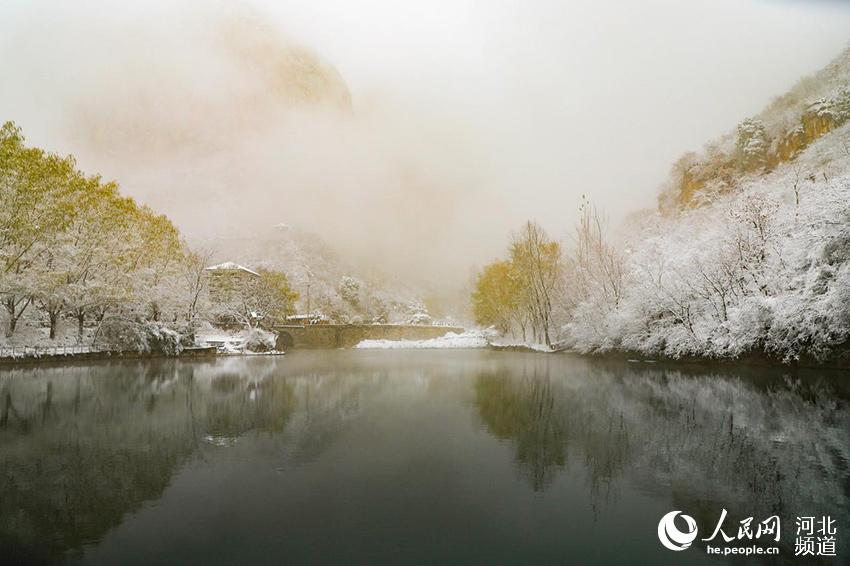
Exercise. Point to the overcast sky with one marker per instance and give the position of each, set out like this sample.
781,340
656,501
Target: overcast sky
513,108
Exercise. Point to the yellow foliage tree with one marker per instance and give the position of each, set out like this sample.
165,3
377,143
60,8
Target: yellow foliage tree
495,301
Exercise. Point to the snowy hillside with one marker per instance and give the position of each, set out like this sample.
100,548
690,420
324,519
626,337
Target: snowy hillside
749,253
762,269
814,107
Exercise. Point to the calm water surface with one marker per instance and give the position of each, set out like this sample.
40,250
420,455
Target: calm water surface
409,457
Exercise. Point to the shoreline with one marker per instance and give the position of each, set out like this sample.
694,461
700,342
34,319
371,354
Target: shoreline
750,360
199,352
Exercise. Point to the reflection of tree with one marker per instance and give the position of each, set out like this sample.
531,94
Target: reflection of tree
81,447
752,443
523,410
607,449
756,447
275,400
529,408
236,406
73,463
326,406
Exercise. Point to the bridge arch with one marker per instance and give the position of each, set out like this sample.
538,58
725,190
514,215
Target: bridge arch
284,341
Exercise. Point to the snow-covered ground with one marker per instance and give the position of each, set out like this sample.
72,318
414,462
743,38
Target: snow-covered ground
468,339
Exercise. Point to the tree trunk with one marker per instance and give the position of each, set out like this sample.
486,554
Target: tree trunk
14,314
81,319
9,304
54,320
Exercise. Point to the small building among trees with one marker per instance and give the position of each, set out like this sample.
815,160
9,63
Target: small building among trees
226,278
248,298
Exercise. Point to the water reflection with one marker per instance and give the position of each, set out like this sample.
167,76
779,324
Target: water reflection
83,448
523,410
757,441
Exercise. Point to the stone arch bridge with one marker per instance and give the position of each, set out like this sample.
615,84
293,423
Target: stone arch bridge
348,335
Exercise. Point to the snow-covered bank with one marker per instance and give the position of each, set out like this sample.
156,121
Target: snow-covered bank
471,339
761,271
468,339
237,342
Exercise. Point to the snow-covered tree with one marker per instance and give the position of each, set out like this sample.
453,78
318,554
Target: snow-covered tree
538,262
349,290
417,313
752,144
264,299
72,247
38,192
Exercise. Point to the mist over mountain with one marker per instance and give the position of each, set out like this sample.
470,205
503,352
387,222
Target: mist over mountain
225,123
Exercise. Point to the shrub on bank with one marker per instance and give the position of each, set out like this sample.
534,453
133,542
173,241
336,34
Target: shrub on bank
259,340
124,335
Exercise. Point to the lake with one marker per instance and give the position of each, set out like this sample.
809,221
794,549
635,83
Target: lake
412,457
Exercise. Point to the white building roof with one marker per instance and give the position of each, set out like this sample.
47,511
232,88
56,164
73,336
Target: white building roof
231,266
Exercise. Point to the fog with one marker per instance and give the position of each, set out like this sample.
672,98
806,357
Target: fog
412,136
